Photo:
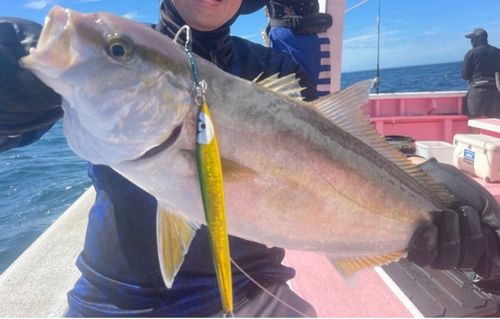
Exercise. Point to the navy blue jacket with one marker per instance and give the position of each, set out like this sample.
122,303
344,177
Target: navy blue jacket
480,65
481,62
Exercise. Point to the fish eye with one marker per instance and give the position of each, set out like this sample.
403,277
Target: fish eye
120,48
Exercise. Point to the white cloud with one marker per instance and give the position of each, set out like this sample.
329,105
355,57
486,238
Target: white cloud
84,1
36,5
415,50
250,36
493,23
368,38
133,15
430,34
360,40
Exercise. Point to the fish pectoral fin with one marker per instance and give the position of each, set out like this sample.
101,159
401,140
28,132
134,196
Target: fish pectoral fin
234,172
174,233
349,268
231,171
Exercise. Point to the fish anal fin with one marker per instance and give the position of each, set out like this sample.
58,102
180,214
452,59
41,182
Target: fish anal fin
349,268
174,233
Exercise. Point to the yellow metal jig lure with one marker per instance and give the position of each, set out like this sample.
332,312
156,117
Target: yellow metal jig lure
211,184
210,172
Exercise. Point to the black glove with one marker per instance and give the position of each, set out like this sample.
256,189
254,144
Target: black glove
466,237
26,104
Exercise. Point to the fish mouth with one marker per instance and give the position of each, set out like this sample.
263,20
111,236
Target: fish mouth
56,24
162,146
54,47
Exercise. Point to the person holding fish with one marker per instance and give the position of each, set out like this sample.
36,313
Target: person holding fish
121,273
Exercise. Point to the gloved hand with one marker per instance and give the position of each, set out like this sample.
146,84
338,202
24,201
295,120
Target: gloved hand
466,237
27,106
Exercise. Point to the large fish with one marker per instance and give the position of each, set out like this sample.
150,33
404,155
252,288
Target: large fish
304,176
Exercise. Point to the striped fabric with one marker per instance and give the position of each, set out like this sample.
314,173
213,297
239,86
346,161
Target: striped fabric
311,52
324,76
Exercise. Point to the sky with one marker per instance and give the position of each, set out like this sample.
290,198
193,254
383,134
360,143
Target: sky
413,32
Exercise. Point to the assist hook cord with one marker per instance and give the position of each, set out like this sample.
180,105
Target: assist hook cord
201,87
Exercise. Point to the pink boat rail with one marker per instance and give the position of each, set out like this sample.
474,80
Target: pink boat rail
426,116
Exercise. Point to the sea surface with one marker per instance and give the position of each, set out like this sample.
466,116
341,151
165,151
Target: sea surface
40,181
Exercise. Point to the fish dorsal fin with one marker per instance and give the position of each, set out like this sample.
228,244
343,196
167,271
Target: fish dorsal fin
174,233
343,109
349,268
287,85
258,77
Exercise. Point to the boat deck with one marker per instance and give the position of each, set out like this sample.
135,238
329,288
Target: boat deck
320,284
375,293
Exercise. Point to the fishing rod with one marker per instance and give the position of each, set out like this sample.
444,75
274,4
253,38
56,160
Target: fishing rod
377,78
497,80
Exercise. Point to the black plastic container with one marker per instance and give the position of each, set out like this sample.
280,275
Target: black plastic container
405,144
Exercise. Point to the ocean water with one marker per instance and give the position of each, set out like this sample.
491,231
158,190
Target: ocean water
434,77
40,181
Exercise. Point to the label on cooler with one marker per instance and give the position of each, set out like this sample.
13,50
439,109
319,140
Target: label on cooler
469,156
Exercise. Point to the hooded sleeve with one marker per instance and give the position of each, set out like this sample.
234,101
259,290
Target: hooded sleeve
28,108
467,68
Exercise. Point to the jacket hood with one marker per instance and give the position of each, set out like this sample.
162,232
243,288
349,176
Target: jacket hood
477,37
479,40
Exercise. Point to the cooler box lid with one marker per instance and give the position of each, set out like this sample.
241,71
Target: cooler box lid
485,142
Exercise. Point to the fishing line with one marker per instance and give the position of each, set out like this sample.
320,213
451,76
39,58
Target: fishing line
267,291
377,78
354,7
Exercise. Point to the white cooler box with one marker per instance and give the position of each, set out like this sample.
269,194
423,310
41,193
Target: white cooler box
442,151
478,154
